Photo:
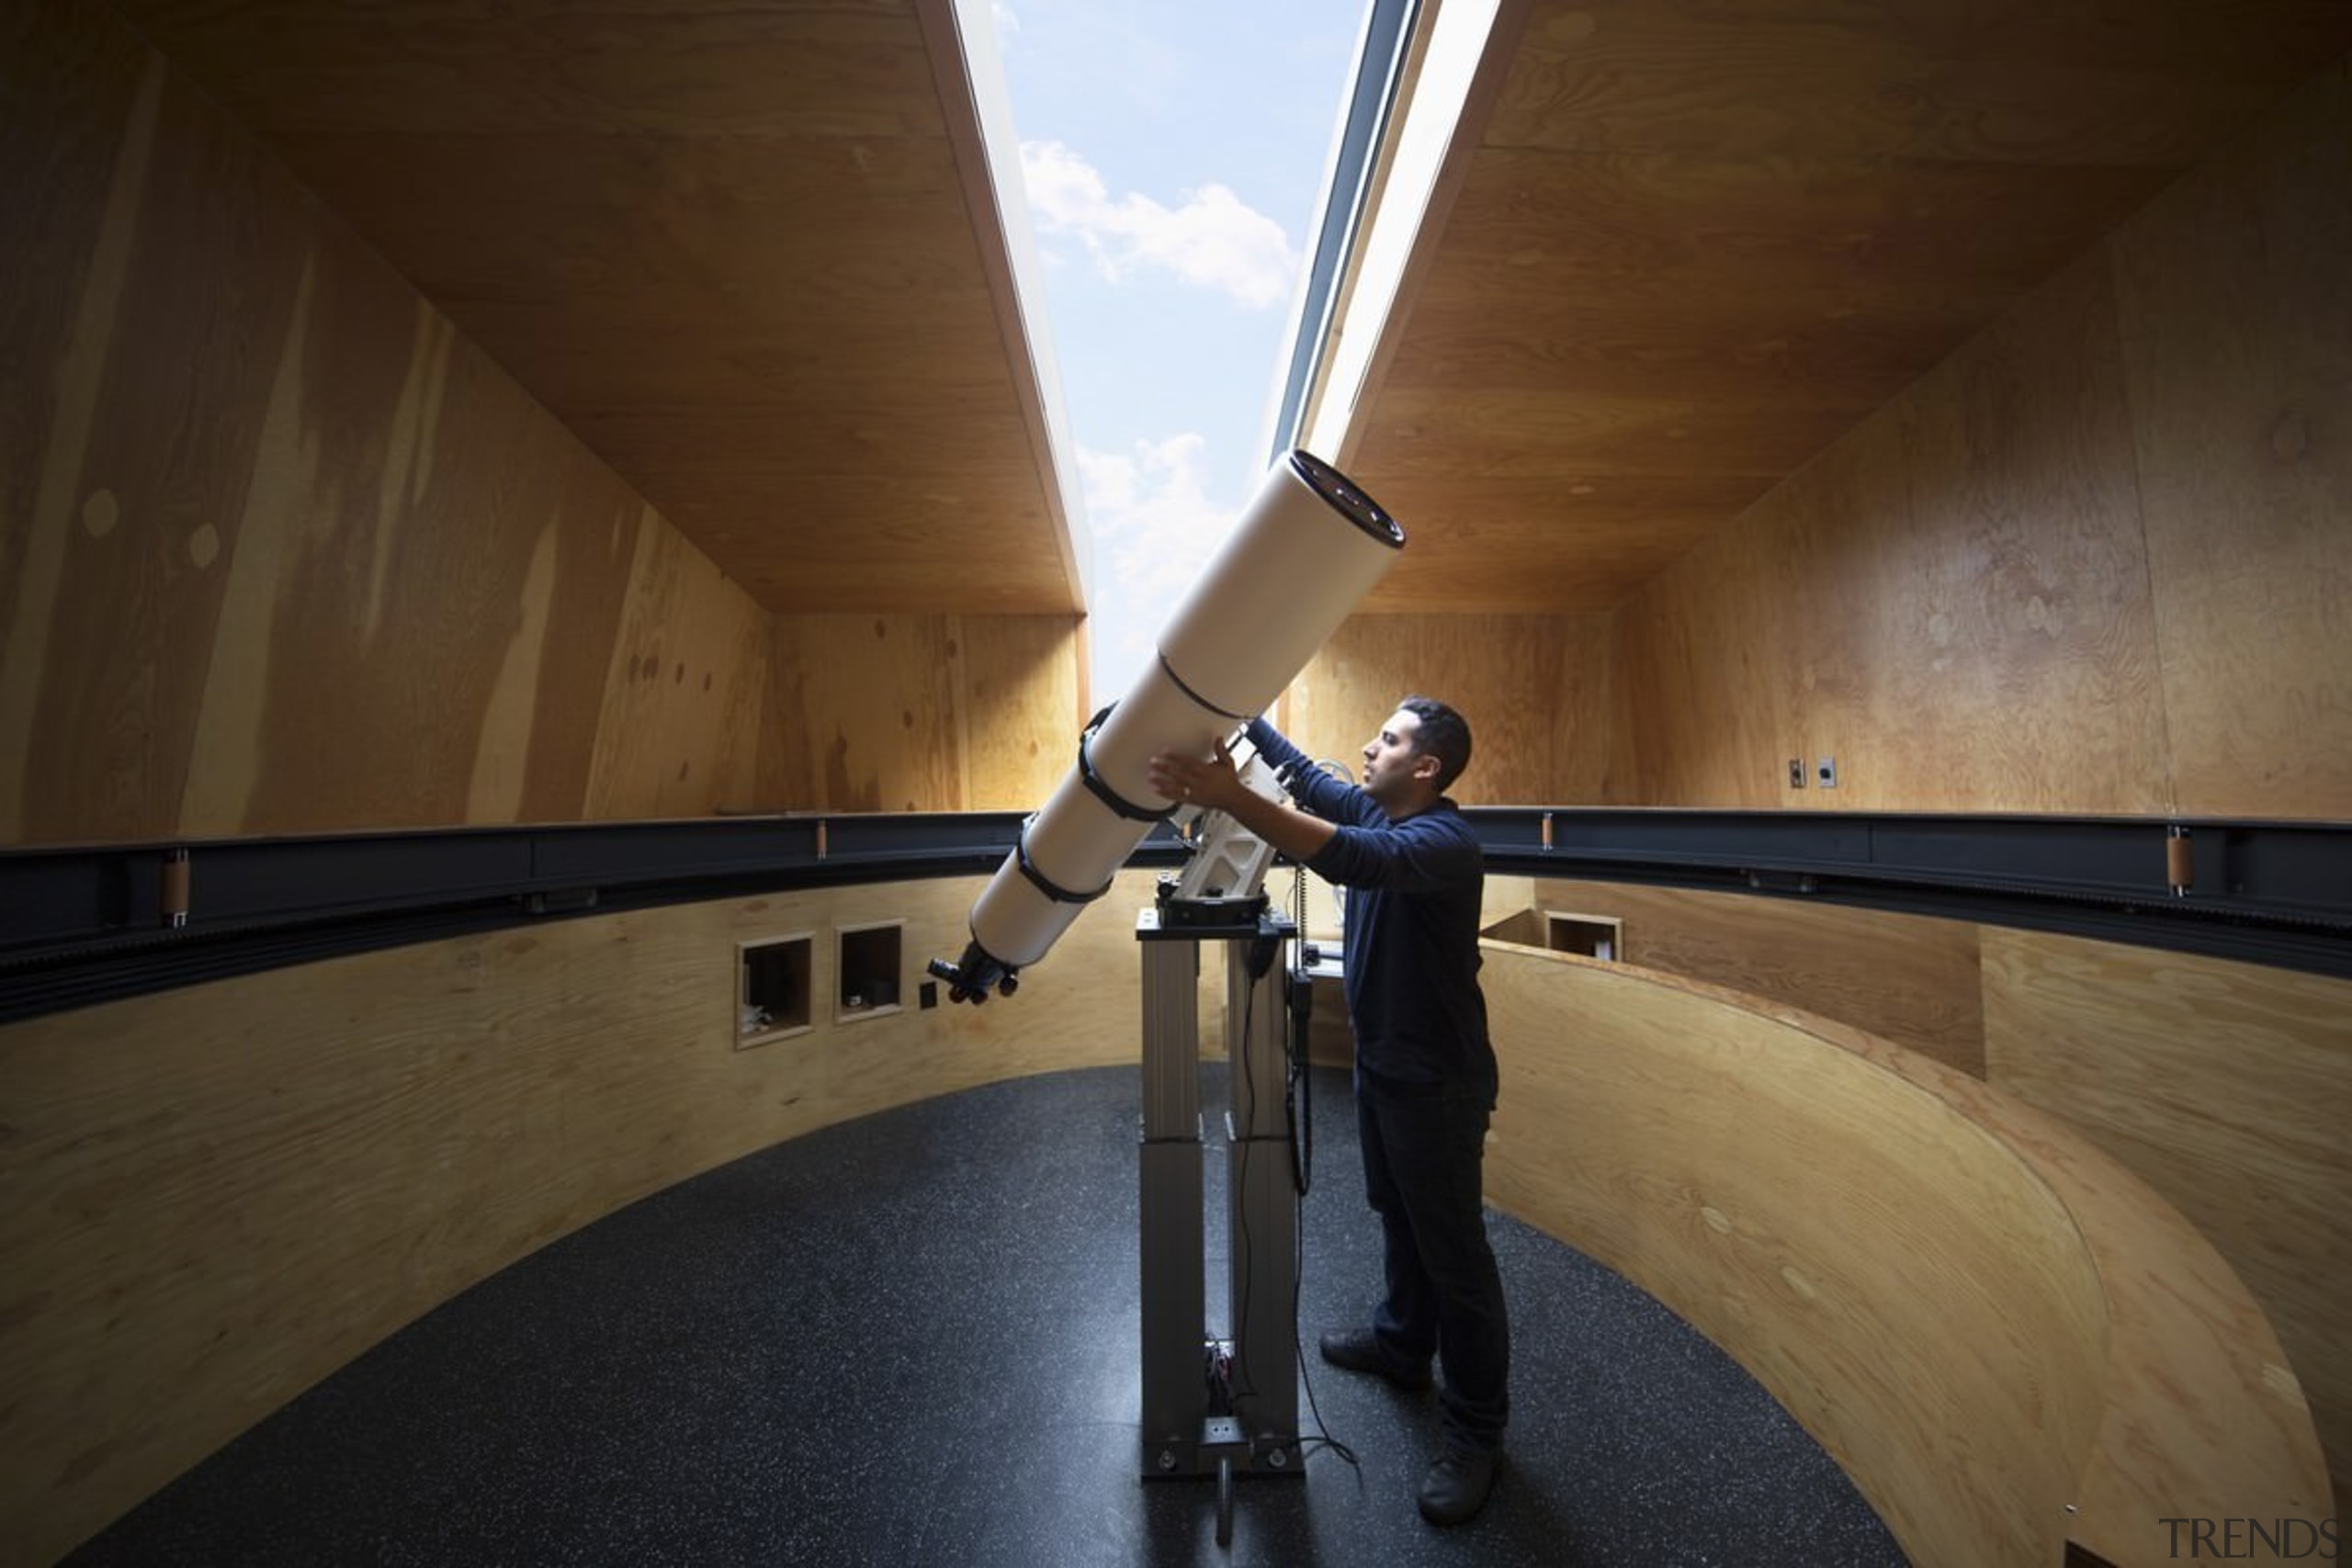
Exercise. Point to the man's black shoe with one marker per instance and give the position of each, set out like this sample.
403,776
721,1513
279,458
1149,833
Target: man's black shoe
1358,1350
1456,1486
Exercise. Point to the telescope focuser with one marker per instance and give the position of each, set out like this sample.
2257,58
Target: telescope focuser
971,978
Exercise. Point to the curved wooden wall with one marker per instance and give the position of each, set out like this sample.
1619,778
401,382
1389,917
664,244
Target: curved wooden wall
218,1196
221,1194
2006,1339
1907,979
2224,1087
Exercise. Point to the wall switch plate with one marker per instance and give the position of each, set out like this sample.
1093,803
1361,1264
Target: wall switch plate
1829,773
1796,772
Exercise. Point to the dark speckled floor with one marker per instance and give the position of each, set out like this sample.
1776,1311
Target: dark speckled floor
913,1339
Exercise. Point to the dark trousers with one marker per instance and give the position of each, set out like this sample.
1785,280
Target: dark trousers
1423,1151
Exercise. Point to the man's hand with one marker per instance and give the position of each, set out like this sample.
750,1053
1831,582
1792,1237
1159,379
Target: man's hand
1213,785
1216,785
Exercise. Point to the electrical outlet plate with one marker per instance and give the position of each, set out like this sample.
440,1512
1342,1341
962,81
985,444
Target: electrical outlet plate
1828,772
1796,772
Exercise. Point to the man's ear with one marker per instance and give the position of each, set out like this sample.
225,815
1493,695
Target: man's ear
1425,766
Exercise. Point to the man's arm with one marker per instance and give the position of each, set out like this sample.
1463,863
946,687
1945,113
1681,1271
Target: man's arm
1310,788
1217,786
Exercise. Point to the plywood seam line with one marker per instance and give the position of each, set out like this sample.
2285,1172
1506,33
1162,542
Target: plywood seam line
2139,477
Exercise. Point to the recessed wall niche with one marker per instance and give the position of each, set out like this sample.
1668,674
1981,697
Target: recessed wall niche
772,990
1592,936
869,969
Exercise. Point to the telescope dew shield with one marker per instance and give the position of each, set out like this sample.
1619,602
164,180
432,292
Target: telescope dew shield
1304,551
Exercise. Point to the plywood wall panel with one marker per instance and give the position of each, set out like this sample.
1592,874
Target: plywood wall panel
1970,553
1702,706
73,99
867,714
2227,1088
222,1193
131,518
2099,553
922,713
287,552
1881,1262
593,525
2237,330
2014,600
2114,1369
685,691
1023,698
1904,978
1535,690
398,596
674,223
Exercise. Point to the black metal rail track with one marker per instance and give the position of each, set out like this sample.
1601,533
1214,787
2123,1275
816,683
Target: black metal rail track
90,924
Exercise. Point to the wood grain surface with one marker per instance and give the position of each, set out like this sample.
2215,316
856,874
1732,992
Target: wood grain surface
287,551
1889,1270
2237,331
922,713
221,1194
1907,979
1535,690
2226,1087
294,553
2003,1335
1692,246
749,254
2095,561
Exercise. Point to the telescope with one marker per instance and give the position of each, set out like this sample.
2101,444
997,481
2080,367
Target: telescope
1307,549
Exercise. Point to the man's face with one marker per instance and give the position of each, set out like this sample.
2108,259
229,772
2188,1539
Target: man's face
1390,762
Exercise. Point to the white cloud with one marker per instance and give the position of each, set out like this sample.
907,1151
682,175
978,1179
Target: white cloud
1214,240
1155,528
1006,22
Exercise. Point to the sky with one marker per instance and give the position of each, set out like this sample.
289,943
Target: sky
1174,157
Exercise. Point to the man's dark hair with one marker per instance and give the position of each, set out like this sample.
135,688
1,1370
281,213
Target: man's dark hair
1443,733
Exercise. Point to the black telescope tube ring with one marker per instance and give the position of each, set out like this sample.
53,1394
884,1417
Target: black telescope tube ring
1100,787
1199,701
1346,498
1046,884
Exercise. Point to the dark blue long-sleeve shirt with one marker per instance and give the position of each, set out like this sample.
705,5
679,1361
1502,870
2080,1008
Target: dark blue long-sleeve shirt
1412,937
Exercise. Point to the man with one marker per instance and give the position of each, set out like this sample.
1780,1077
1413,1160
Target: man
1425,1071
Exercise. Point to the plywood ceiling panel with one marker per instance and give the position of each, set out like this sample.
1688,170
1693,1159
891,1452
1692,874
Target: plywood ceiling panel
1695,242
734,247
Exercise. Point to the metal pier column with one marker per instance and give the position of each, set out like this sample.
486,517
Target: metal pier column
1217,1406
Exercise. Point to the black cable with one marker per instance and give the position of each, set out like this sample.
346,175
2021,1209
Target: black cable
1239,1199
1298,1073
1301,1063
1323,1438
1295,1072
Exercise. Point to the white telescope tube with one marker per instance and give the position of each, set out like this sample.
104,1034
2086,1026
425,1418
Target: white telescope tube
1308,548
